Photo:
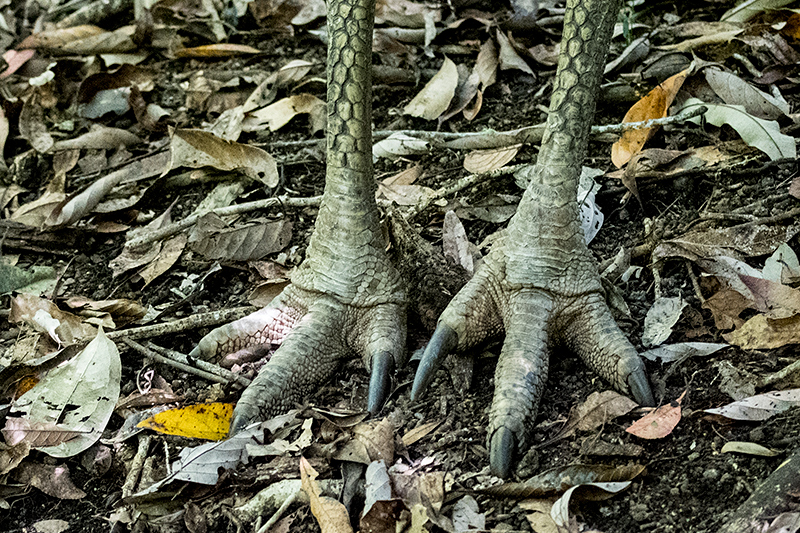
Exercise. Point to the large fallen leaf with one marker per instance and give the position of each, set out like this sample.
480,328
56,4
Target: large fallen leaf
216,241
481,161
455,244
660,320
467,515
330,513
748,9
398,145
589,491
33,280
78,396
277,115
83,203
654,105
782,266
197,148
658,423
762,134
759,407
69,328
735,91
773,299
601,408
209,421
764,333
53,480
435,97
682,350
508,57
558,480
32,126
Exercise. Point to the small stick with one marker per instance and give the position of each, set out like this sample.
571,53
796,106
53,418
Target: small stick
277,515
167,361
175,227
779,375
184,324
458,186
132,478
205,366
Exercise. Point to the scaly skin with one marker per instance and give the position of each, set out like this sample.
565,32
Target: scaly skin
346,298
539,285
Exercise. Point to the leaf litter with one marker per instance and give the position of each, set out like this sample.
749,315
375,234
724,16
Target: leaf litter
746,273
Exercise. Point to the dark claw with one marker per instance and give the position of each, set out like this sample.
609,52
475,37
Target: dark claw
501,452
443,341
379,381
238,423
640,388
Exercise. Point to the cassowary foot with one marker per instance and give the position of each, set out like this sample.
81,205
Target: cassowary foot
536,322
315,333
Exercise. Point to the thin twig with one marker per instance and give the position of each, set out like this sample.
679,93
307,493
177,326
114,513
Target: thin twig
202,365
157,357
175,227
779,375
184,324
277,514
135,470
458,186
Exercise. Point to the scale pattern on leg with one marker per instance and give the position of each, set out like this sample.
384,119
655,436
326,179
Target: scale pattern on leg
346,298
543,267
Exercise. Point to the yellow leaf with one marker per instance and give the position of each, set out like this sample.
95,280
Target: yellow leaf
654,105
217,50
209,421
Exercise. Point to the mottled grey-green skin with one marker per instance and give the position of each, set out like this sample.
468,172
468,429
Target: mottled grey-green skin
539,285
346,298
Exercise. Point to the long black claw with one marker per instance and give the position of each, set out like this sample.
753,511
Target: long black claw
501,452
443,341
379,381
640,388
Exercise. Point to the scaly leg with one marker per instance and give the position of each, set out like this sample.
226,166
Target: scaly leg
346,297
539,284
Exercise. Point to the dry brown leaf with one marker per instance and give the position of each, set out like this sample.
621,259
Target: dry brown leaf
420,432
277,115
435,97
688,45
31,124
486,64
509,58
466,92
109,42
330,514
405,13
455,243
98,137
404,177
217,50
482,161
171,250
36,212
764,333
378,437
654,105
53,39
217,242
658,423
53,480
197,148
265,93
600,408
36,434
